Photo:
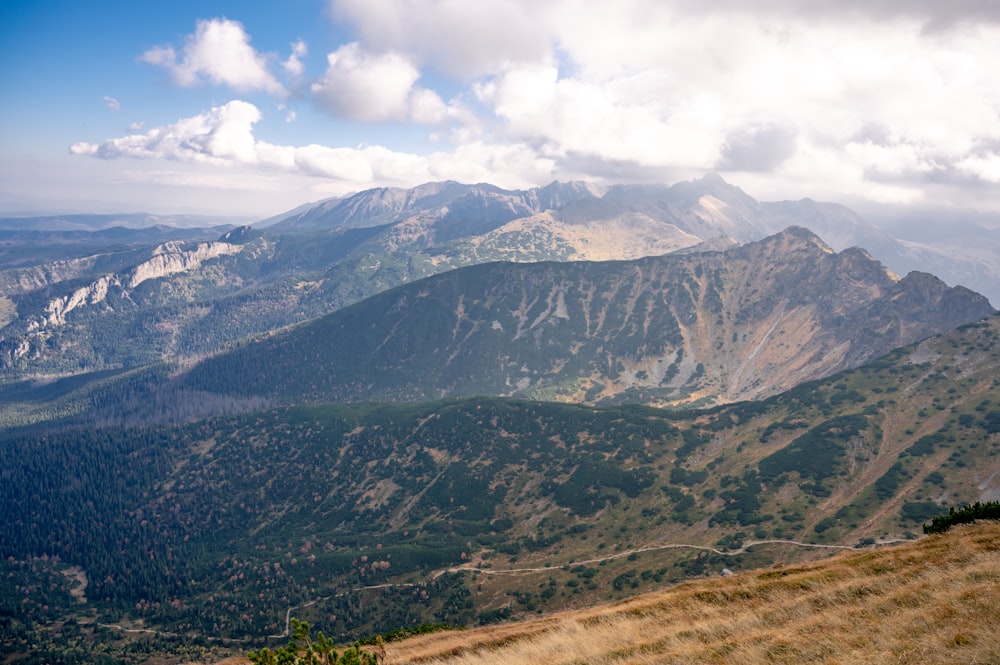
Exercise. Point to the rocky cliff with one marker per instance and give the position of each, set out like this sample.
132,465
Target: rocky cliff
165,260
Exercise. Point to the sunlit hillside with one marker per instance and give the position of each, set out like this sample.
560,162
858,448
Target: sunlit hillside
936,600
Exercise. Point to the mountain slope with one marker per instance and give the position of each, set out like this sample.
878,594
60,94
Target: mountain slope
939,605
701,210
458,208
710,326
170,300
324,256
365,518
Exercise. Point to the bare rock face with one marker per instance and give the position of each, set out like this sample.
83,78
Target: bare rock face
705,327
166,260
170,259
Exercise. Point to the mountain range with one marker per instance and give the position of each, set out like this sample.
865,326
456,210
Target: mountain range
70,306
704,327
461,404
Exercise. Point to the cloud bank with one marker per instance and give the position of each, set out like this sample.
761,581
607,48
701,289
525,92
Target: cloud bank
223,136
878,100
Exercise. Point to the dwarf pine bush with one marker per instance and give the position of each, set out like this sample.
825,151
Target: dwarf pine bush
989,510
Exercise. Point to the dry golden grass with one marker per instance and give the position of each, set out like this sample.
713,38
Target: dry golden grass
932,601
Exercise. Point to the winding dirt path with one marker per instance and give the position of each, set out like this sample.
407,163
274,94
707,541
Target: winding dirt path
502,571
651,548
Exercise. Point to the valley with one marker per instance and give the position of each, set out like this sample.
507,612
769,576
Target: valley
223,524
470,406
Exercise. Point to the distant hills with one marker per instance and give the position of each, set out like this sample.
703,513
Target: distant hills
68,299
114,223
679,215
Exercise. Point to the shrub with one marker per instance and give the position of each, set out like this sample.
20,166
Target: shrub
302,650
977,511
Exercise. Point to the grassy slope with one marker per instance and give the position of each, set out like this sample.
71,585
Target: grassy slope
933,601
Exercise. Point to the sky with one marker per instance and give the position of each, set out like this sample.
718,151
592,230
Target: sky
253,108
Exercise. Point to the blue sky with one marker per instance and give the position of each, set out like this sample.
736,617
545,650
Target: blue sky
253,108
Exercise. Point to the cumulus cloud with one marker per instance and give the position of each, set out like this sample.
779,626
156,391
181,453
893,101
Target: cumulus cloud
984,167
377,87
465,39
427,108
220,136
293,65
830,99
368,87
795,96
564,116
112,104
223,136
218,52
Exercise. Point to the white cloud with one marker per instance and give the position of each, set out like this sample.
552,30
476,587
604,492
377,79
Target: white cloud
427,108
985,167
378,87
367,87
112,104
644,85
218,52
462,38
293,65
575,117
223,136
796,98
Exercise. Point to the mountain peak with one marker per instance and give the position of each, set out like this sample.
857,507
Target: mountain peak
793,239
712,178
802,234
239,235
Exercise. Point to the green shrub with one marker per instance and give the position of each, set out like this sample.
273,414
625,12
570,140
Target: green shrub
977,511
302,650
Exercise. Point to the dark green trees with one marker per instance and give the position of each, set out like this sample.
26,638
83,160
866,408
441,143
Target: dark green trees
977,511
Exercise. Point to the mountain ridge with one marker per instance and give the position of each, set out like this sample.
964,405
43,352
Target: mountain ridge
710,326
364,244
